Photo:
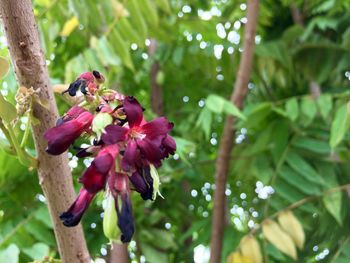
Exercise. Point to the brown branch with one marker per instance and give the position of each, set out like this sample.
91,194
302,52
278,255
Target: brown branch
119,253
227,138
157,103
54,173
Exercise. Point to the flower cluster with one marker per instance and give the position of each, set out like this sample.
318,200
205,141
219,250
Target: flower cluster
126,149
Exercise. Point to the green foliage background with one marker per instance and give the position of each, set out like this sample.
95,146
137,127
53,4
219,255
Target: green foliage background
297,144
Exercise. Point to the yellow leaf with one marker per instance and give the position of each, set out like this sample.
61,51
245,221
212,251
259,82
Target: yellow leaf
236,257
292,226
280,239
69,26
4,67
249,247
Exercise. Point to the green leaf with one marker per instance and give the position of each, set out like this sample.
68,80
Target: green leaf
308,108
339,126
333,201
178,55
184,147
324,103
215,103
40,232
10,254
7,111
219,105
256,114
292,108
100,122
162,239
38,251
232,109
153,255
164,5
105,52
299,182
122,49
204,121
4,67
149,11
313,145
302,167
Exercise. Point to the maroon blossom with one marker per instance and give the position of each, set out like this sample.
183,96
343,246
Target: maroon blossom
75,212
94,178
147,142
126,151
62,136
119,186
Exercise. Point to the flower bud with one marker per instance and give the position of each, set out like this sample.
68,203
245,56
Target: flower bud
110,220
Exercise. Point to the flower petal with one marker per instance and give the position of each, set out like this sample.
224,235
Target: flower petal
158,127
168,146
114,134
61,137
150,150
132,157
93,180
143,182
103,163
75,212
133,111
125,218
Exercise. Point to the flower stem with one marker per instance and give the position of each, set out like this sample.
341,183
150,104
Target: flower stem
26,132
23,157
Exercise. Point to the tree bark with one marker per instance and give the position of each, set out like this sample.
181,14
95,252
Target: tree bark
53,171
298,19
119,253
157,103
227,138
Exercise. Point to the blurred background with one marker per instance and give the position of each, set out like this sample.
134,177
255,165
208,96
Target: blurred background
180,59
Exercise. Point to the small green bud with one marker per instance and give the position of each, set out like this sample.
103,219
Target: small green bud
110,220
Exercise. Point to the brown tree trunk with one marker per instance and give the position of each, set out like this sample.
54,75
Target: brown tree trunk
119,254
157,103
227,138
54,173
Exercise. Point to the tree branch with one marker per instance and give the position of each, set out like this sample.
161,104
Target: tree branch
54,173
227,138
157,103
119,253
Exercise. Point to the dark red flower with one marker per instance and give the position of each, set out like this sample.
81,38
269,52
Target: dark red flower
73,113
146,141
74,214
118,185
94,178
60,137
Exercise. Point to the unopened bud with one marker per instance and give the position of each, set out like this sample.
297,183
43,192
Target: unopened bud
110,220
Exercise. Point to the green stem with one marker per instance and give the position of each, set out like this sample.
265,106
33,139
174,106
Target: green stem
7,135
26,132
23,157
